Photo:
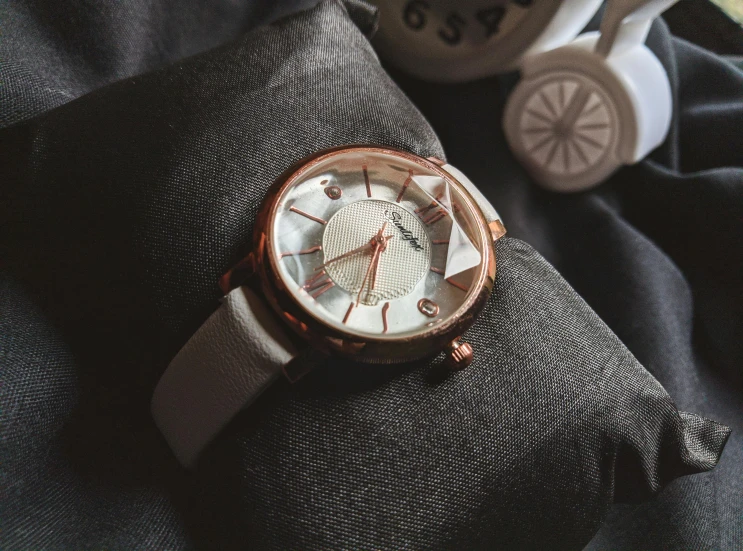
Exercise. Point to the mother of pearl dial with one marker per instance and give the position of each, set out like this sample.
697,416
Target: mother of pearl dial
376,245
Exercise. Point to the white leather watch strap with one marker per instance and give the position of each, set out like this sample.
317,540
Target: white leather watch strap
238,352
488,210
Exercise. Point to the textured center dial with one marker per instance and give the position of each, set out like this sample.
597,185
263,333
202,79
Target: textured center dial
401,265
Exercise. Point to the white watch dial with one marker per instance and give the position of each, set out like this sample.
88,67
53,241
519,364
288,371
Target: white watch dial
376,245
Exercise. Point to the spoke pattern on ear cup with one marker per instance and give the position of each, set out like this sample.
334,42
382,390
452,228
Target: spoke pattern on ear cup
566,126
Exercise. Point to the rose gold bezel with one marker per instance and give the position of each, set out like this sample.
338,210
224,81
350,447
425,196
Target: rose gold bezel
331,340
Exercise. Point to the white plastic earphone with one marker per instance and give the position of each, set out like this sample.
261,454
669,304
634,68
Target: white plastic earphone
585,106
584,109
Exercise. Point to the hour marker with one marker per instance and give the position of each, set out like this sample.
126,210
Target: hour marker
435,217
305,251
334,192
421,210
457,285
384,316
323,182
348,312
405,186
308,215
432,217
366,180
428,307
318,284
440,241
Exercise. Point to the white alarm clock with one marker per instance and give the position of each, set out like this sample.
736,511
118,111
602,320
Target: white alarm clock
457,40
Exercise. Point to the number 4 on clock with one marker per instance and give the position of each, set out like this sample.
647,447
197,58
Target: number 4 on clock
491,18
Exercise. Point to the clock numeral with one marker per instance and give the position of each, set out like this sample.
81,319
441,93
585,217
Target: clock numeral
490,18
435,217
318,284
452,33
431,213
434,212
414,16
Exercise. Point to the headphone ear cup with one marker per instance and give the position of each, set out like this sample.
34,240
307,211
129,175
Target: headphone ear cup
577,116
645,84
563,124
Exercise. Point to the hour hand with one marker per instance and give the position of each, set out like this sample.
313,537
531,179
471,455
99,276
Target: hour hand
375,241
364,247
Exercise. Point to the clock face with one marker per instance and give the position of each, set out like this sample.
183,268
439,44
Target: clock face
453,40
375,244
439,33
467,25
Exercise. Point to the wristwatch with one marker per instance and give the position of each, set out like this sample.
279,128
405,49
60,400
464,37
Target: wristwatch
367,252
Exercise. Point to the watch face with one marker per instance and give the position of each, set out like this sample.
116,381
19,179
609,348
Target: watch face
378,244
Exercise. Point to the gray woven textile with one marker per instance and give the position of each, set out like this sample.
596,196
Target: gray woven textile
121,209
656,252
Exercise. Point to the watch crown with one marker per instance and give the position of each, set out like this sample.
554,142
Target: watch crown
459,355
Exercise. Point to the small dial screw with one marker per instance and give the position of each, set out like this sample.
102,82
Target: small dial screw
428,307
334,192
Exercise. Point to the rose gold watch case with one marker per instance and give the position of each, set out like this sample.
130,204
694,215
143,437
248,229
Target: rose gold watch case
263,262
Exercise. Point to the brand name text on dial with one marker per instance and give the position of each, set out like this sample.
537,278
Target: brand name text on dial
406,234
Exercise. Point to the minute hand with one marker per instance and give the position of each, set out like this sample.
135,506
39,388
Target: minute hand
372,268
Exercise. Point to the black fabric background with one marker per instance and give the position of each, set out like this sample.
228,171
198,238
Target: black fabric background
656,253
121,209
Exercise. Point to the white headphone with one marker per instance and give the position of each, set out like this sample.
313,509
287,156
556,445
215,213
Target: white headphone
599,102
584,107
